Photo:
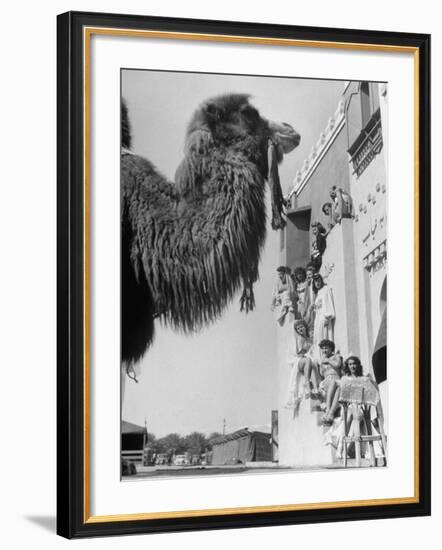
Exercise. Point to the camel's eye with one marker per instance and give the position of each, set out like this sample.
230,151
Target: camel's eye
250,113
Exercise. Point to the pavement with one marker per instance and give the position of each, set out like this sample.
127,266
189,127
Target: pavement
162,471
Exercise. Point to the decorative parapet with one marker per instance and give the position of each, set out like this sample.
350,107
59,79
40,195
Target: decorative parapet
326,138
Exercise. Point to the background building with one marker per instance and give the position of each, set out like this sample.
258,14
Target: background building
241,447
133,442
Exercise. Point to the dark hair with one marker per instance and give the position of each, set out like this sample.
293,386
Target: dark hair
281,269
311,267
304,324
321,228
299,271
327,344
359,370
328,204
316,277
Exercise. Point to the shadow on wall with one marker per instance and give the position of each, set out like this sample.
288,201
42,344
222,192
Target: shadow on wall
379,357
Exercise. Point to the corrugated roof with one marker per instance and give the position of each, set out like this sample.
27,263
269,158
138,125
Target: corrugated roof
129,428
237,435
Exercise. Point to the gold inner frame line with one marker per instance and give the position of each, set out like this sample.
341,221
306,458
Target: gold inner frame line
87,33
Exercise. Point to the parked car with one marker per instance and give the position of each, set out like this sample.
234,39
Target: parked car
181,460
161,459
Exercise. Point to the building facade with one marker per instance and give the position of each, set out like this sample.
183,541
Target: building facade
349,159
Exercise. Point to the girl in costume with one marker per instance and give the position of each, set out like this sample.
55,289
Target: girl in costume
301,364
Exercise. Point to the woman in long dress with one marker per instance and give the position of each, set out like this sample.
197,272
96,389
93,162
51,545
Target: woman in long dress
283,295
300,282
324,309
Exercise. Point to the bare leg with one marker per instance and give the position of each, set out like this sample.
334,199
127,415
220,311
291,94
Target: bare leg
329,401
330,395
303,368
282,315
313,375
301,365
334,403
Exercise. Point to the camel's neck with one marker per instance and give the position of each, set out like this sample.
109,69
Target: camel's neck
225,197
216,241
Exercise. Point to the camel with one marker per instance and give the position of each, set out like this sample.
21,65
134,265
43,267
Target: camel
187,246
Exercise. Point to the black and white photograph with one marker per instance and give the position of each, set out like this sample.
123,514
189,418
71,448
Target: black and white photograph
253,274
208,210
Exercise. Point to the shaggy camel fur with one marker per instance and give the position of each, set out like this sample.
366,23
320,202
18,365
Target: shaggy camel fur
188,245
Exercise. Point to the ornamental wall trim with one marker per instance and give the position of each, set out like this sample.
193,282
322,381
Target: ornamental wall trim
318,151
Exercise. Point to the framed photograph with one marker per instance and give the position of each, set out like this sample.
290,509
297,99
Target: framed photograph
232,200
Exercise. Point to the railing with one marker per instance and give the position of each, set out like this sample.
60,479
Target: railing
368,145
136,457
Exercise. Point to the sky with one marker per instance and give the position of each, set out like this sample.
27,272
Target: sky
228,370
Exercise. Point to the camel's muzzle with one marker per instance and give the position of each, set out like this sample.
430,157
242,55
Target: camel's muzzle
284,136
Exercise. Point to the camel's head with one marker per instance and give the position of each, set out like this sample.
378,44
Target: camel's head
231,124
230,120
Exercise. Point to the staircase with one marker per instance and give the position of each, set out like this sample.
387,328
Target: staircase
304,441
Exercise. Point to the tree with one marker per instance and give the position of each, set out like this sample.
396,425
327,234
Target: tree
171,443
196,442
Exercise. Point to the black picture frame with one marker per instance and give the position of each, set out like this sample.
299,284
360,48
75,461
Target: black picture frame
73,520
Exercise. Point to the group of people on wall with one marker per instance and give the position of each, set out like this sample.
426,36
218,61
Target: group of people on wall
302,297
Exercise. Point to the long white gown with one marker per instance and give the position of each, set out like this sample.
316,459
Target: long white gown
325,316
282,299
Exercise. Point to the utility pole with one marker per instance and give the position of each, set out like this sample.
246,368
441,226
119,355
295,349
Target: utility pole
224,426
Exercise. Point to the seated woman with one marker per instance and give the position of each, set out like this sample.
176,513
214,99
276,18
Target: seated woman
359,420
330,369
352,369
335,436
302,364
283,295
